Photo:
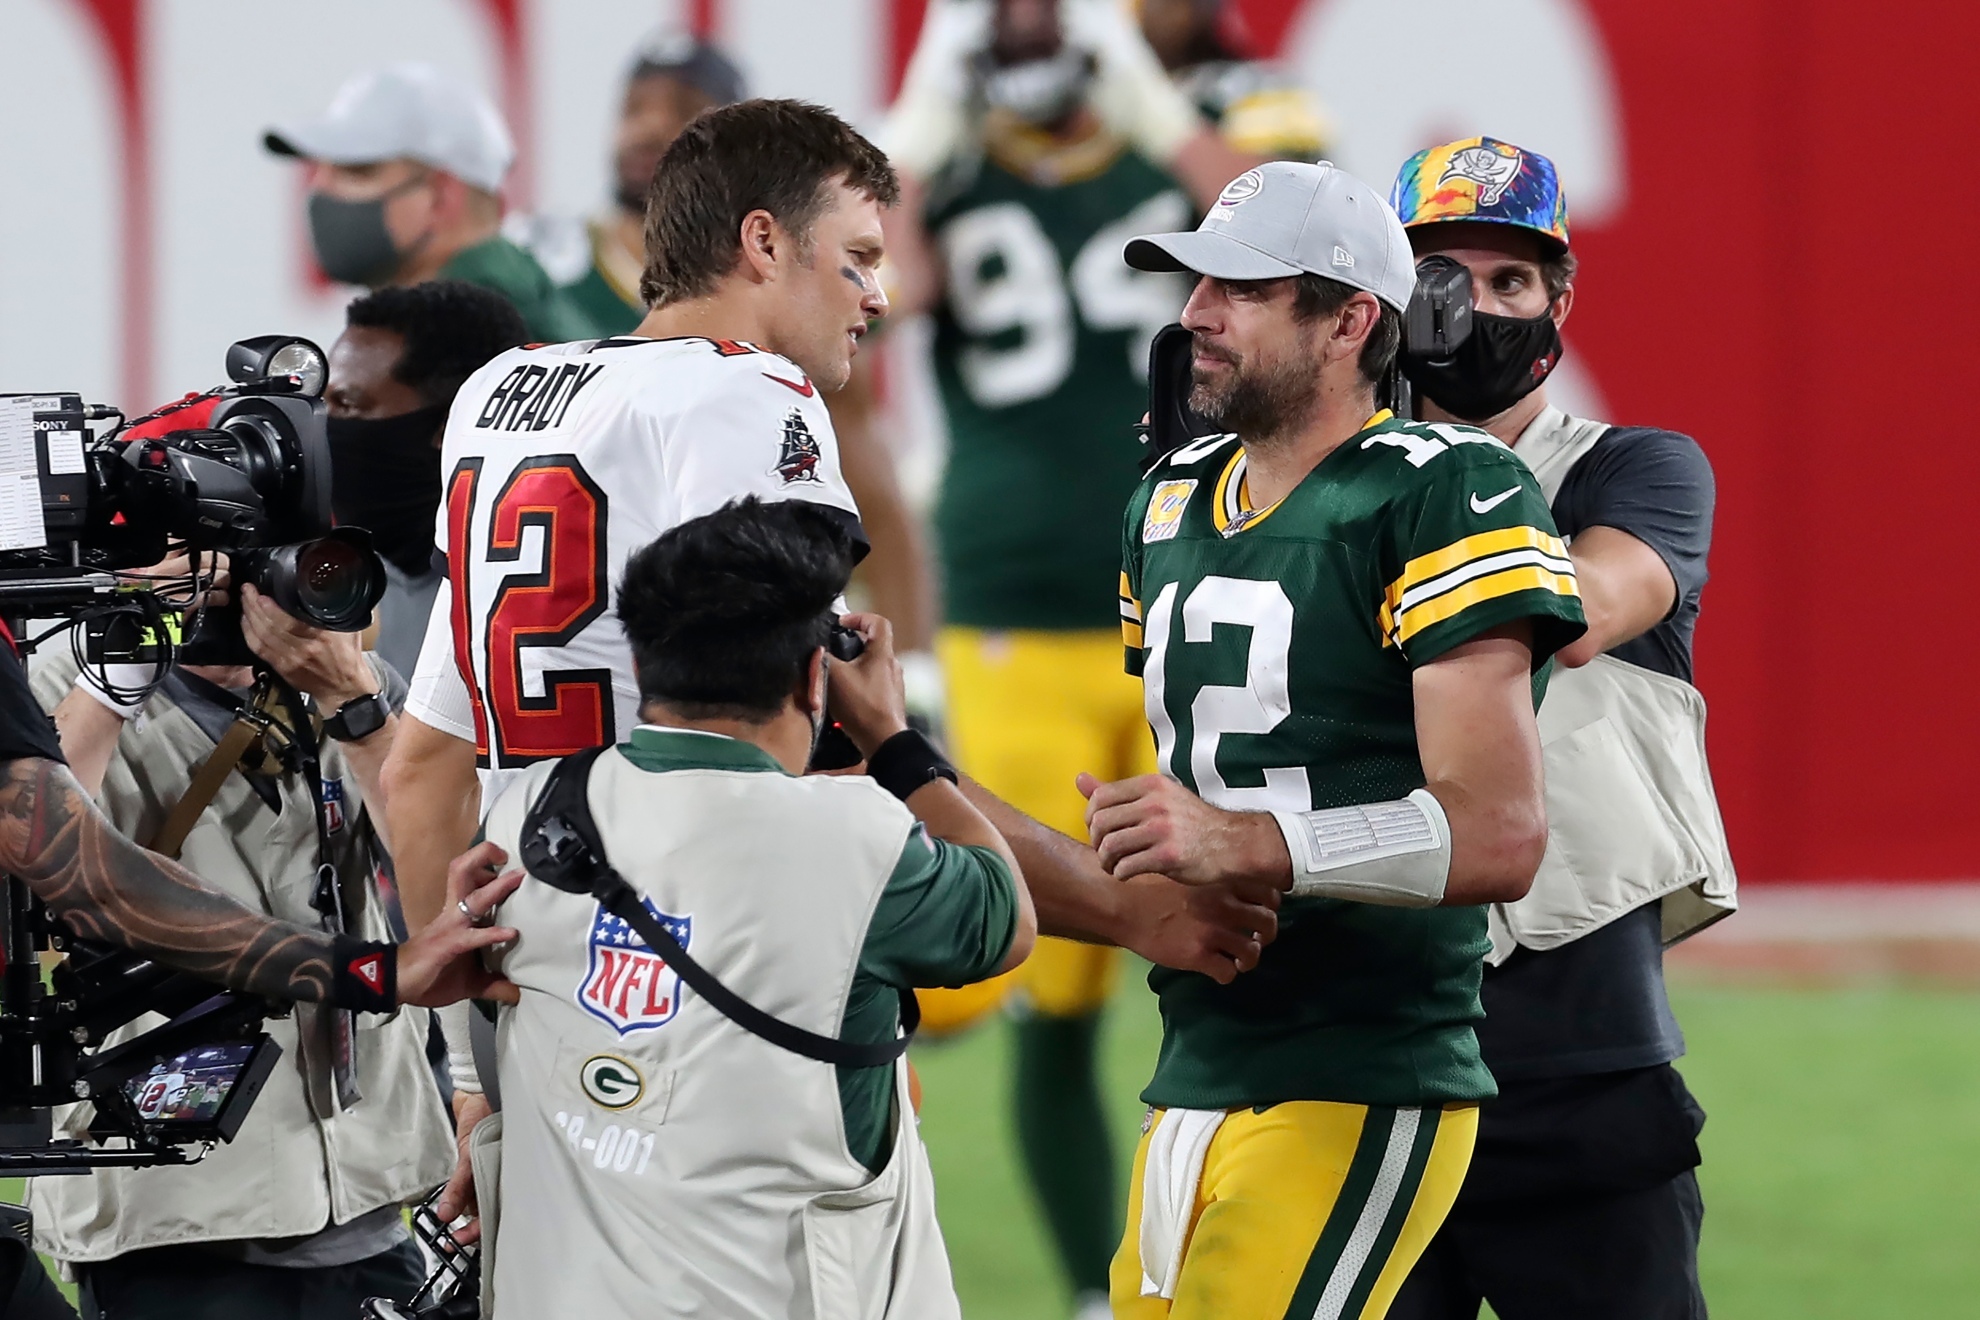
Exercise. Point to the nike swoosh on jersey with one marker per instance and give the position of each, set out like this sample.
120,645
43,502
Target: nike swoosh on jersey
807,389
1477,505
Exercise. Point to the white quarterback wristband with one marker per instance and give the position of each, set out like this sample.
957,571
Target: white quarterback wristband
460,1054
1395,854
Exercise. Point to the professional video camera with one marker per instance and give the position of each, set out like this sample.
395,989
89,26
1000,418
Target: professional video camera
1436,322
244,470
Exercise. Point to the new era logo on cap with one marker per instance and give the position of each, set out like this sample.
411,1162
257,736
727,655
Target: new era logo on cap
1342,257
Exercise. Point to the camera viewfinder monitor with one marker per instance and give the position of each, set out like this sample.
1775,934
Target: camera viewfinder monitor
204,1093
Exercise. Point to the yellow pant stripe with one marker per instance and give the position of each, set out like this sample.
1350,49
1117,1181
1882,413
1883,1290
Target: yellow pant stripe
1309,1209
1027,711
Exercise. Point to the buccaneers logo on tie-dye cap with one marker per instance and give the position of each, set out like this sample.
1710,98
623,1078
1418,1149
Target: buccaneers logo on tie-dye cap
1485,179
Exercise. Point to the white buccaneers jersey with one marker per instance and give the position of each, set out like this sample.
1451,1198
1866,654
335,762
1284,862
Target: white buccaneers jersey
561,461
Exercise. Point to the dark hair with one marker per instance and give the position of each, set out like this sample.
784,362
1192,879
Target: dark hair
725,611
451,330
1315,296
1557,272
775,156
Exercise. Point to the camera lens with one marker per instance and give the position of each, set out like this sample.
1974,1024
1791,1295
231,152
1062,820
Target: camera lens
332,582
331,577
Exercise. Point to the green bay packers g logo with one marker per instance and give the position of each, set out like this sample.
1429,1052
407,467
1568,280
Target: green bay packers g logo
611,1081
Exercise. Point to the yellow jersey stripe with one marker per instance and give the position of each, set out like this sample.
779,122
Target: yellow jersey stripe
1478,568
1424,567
1431,612
1131,634
1130,607
1232,503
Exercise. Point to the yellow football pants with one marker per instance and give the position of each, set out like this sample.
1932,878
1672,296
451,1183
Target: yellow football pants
1027,712
1308,1210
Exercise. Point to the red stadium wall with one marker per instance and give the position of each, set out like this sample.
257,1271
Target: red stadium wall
1790,283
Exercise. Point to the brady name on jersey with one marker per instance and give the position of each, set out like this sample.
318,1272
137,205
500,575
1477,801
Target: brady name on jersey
561,460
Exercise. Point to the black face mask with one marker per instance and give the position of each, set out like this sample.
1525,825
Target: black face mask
1502,360
385,478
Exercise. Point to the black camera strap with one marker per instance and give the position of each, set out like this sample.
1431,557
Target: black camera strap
338,1026
561,847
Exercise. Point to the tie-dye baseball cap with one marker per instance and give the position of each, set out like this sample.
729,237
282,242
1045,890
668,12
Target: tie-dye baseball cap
1482,178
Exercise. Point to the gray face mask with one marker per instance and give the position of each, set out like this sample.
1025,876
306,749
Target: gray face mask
352,244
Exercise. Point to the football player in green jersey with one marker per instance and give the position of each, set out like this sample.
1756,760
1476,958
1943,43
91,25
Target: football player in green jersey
1341,621
1071,138
674,77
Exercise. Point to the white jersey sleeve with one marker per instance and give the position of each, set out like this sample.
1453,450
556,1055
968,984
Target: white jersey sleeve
437,695
760,429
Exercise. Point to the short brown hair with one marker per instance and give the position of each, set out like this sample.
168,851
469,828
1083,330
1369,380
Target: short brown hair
775,156
1315,296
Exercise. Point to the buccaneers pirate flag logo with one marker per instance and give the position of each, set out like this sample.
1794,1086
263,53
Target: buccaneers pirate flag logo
800,456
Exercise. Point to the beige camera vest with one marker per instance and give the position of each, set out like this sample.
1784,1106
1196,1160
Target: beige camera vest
299,1163
654,1159
1631,814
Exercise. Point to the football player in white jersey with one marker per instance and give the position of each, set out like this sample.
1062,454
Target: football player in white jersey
561,460
763,236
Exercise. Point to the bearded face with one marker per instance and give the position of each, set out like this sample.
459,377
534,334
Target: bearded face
1259,394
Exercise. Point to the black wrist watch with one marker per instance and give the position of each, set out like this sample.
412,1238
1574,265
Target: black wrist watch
358,718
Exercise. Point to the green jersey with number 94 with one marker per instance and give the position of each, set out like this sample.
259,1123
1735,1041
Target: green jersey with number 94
1041,355
1276,648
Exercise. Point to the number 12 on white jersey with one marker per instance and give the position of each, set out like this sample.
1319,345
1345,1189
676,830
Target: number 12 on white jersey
500,613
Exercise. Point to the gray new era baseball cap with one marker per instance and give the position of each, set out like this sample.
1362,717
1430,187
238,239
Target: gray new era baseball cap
1288,218
410,110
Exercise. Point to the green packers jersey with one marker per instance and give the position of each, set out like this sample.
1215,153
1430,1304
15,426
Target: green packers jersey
594,295
1041,356
496,263
1276,648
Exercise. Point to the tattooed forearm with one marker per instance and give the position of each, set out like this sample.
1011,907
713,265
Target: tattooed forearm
104,887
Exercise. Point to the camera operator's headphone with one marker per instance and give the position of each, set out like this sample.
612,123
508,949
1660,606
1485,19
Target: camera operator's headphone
561,847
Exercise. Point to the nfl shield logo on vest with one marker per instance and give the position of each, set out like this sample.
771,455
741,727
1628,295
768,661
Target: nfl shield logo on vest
333,805
627,984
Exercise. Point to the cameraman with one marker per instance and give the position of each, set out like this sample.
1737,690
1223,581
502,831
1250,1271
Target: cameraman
651,1148
299,1214
393,374
1582,1198
104,887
